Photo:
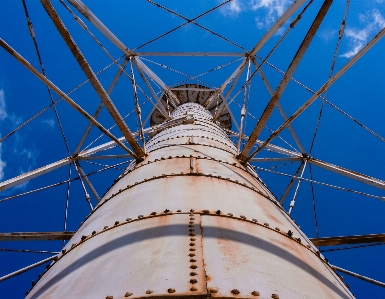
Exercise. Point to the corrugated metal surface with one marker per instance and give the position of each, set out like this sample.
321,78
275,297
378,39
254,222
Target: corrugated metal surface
189,220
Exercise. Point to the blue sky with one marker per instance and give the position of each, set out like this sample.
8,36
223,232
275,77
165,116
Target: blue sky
341,141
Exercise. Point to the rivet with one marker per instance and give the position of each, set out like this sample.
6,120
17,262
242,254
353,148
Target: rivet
128,294
191,222
73,245
105,227
192,239
170,290
63,251
255,293
230,214
290,233
213,290
277,229
166,210
308,246
192,249
192,218
193,266
191,234
191,210
140,216
94,233
193,280
33,283
192,244
179,211
274,296
243,217
255,220
235,292
191,254
298,240
266,224
149,291
193,273
206,211
83,237
193,289
218,212
109,297
116,222
128,219
153,213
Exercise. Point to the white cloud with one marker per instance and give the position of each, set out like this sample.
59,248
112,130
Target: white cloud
273,10
327,34
2,165
49,122
3,112
372,21
233,8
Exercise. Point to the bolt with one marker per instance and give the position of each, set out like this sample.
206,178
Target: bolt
235,292
213,290
179,211
153,213
191,222
191,210
191,254
116,222
33,283
277,229
128,219
290,233
193,273
191,234
140,216
230,214
192,218
192,261
243,217
109,297
166,210
83,238
274,296
192,249
193,266
105,227
170,290
192,239
255,293
128,294
63,251
298,240
192,244
94,232
149,291
193,289
255,220
266,224
206,211
193,281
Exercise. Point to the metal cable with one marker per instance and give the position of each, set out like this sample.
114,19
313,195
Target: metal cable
66,203
313,201
352,247
28,250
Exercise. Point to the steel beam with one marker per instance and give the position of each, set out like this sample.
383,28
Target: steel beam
93,78
25,269
349,173
36,236
83,175
285,81
317,94
376,282
24,62
343,240
87,13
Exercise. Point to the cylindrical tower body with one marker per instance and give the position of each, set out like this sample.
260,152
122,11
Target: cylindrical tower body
189,221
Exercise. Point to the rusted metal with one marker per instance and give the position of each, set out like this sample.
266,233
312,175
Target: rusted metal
139,153
285,81
357,239
36,236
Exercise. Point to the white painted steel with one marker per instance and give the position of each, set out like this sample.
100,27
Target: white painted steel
235,238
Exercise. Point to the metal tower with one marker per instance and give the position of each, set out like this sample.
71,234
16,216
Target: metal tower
189,216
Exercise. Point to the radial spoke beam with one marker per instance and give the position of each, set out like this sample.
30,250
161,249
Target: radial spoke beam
36,236
357,239
285,81
376,282
25,269
349,173
87,13
24,62
317,94
93,78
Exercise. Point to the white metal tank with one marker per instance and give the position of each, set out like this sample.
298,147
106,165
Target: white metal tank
189,221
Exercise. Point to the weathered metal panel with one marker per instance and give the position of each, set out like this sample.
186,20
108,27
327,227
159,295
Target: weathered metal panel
242,258
148,257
